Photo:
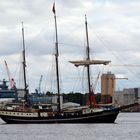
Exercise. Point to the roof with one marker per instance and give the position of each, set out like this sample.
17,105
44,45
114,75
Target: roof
70,104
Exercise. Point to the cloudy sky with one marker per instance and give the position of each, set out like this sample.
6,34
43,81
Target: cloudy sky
114,34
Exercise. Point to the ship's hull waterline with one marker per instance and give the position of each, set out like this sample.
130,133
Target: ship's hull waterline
98,117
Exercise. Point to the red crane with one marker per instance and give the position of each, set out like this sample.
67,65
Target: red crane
11,80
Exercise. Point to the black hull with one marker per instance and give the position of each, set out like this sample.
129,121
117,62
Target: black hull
104,117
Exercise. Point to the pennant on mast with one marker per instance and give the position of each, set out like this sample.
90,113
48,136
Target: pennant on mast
53,9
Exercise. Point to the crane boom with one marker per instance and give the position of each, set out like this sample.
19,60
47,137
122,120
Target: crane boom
128,65
122,78
9,75
40,81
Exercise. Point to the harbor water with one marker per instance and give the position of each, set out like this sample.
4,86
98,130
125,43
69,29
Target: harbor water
126,127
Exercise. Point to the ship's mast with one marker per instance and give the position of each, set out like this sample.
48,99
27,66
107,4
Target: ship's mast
88,58
88,62
56,59
24,63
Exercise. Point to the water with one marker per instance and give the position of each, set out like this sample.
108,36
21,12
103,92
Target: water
127,127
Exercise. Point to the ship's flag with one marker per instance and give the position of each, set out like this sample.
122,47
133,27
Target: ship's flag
53,9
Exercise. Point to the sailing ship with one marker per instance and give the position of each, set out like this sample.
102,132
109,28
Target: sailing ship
43,113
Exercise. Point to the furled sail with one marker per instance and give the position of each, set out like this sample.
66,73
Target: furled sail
89,62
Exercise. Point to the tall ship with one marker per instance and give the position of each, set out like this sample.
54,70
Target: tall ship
22,112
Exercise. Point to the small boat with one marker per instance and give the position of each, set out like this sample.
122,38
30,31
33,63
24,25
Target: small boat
5,92
44,113
8,92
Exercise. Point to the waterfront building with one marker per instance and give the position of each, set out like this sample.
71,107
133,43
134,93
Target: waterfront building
126,96
107,87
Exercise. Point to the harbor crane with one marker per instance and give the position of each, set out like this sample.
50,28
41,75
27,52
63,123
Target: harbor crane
11,80
39,86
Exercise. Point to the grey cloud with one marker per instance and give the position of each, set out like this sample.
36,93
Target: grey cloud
113,32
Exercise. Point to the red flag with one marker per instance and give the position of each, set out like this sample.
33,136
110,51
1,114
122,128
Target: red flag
53,9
